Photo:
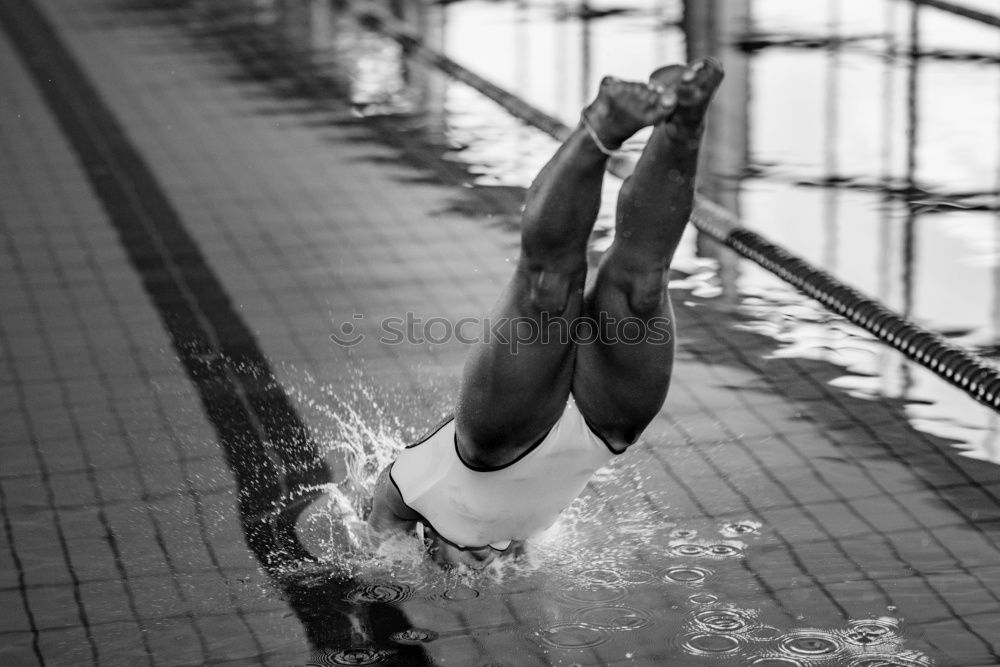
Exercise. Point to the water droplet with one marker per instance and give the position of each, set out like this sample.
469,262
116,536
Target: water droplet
723,620
810,643
683,533
413,636
703,598
686,575
610,617
869,632
380,593
710,644
573,635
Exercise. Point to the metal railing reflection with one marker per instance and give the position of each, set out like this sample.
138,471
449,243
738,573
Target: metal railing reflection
713,28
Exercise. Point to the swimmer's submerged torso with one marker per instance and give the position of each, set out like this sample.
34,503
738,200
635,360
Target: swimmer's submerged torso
474,507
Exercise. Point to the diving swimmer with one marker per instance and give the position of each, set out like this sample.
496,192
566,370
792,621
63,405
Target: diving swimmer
533,422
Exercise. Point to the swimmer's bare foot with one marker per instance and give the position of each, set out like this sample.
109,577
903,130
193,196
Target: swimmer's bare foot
622,108
695,86
655,203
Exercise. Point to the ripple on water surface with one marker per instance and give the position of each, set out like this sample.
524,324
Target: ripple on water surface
905,659
353,656
810,643
738,528
775,661
724,620
602,576
711,643
573,635
384,592
412,636
593,593
872,631
707,549
612,617
460,593
686,574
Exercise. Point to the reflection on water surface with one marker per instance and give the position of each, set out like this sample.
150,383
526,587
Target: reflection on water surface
877,166
824,517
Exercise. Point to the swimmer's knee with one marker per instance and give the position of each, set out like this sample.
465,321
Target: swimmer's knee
550,290
645,292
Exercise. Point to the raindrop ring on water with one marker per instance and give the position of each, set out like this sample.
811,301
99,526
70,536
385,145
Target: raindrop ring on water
703,598
612,617
741,528
459,593
593,593
687,549
883,660
686,575
722,620
636,576
357,656
573,635
602,576
414,636
869,632
704,643
725,550
763,632
391,592
775,661
809,643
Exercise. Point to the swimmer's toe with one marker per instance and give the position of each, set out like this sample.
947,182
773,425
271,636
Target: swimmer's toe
624,107
698,83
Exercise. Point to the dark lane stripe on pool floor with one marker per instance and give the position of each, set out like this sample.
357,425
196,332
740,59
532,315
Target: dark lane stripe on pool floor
244,403
267,446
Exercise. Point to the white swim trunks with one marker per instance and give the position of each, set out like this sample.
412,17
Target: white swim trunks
474,507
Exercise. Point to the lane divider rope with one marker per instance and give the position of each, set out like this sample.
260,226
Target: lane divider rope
951,362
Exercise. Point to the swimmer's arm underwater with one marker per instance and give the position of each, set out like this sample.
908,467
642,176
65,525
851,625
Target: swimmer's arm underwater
389,514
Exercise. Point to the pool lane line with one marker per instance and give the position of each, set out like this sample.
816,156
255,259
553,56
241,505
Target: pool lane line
266,444
961,10
953,363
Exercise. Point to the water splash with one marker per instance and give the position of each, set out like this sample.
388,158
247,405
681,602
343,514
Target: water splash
607,549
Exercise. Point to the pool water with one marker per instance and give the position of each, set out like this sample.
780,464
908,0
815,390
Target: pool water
877,167
857,161
845,540
805,498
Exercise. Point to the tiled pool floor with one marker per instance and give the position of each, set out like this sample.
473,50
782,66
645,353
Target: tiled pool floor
179,243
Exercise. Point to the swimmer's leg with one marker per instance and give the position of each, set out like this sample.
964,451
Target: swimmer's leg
515,386
621,381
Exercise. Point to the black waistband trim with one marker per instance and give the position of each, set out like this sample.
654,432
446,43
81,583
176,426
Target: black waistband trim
605,440
473,467
434,431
